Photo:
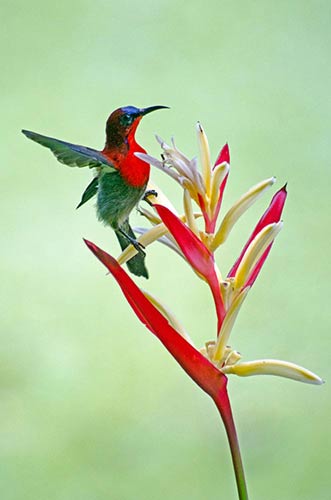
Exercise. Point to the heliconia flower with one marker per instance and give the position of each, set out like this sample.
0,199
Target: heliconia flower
197,245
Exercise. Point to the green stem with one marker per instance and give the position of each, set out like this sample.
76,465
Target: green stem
223,405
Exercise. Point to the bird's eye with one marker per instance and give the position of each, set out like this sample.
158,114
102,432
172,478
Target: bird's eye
126,120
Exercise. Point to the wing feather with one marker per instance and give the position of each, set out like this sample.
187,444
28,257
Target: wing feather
72,155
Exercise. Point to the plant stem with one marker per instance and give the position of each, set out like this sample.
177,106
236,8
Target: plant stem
223,405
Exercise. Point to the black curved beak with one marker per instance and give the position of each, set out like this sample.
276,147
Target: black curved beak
145,111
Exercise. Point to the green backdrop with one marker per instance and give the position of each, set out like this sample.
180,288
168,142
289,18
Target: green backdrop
92,407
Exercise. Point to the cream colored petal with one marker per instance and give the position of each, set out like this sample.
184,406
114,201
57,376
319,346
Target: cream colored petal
227,291
254,251
189,185
159,140
205,157
227,325
218,176
179,154
197,177
274,367
153,219
174,322
182,168
147,238
161,198
158,164
165,240
149,159
238,209
191,222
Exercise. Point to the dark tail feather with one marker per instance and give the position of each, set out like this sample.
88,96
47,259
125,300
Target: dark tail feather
136,264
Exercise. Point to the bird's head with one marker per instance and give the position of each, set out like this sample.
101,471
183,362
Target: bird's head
123,122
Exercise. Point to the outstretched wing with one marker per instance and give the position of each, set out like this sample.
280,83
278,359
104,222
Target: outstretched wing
72,155
89,192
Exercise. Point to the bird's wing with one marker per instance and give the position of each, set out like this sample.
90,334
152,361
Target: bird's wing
89,192
72,155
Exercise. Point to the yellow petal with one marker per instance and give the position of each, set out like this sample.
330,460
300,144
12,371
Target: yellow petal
153,219
219,174
205,156
191,188
189,213
147,238
161,198
254,251
227,325
274,367
169,315
238,209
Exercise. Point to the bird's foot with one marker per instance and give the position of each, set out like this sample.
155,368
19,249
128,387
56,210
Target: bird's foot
149,192
135,243
138,246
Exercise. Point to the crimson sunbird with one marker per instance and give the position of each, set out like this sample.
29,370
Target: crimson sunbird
120,179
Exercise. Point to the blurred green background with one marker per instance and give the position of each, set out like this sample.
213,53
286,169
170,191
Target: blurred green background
92,407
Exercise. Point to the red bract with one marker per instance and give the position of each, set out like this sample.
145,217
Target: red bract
202,371
209,224
223,156
272,214
196,253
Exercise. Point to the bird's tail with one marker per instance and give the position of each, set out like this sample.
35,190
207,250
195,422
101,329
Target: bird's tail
136,264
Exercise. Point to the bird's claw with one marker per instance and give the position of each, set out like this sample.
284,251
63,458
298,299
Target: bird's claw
149,192
135,243
138,246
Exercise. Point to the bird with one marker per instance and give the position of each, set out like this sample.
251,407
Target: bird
120,177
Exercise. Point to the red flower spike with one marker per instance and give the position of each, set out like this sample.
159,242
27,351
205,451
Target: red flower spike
196,253
202,371
272,214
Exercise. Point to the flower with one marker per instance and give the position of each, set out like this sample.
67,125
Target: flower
210,365
206,189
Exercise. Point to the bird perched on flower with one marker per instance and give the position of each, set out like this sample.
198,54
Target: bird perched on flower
120,179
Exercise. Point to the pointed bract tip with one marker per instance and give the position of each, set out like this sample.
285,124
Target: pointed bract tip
90,245
284,188
224,155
